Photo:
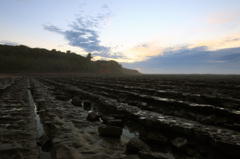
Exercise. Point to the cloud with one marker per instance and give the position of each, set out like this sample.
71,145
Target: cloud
139,69
223,18
8,43
184,53
53,28
83,33
105,6
192,60
229,42
142,52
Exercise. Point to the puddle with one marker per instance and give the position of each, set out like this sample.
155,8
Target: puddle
87,106
161,118
142,117
40,130
128,134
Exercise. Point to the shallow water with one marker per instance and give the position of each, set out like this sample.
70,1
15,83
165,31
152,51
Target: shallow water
129,134
40,129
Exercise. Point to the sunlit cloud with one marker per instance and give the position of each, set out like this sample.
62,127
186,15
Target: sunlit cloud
229,42
223,18
139,69
142,52
194,60
145,51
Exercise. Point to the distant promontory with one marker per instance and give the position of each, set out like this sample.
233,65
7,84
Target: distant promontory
23,59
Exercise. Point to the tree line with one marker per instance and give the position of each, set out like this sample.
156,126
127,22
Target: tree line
23,59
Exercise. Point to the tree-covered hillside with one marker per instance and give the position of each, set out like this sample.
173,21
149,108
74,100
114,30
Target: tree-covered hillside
22,59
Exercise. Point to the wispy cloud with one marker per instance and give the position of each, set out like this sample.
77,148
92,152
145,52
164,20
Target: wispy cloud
142,52
105,6
223,18
229,42
83,33
8,43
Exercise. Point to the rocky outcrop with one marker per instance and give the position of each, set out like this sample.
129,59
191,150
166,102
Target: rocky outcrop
168,120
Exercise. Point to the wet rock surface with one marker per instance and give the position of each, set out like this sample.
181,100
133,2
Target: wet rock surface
136,145
179,143
154,155
110,131
93,116
120,117
18,126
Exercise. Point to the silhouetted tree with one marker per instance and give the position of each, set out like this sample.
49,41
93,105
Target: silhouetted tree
89,57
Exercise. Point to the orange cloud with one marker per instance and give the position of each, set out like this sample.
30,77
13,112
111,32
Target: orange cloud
223,18
143,52
223,43
139,69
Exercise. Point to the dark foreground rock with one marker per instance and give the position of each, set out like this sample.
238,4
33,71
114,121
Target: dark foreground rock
155,137
208,120
115,122
135,145
154,155
93,116
45,142
179,143
110,131
77,101
87,105
62,97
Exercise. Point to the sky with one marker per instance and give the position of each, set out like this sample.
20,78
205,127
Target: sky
152,36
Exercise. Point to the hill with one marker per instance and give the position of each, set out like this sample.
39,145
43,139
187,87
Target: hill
23,59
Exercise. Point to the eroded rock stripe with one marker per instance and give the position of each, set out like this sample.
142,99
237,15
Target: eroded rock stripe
70,134
18,125
221,138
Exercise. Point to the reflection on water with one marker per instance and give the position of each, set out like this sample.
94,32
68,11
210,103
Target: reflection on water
87,106
39,124
40,130
129,134
142,117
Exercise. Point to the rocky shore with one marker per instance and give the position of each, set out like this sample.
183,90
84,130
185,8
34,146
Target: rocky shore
132,117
